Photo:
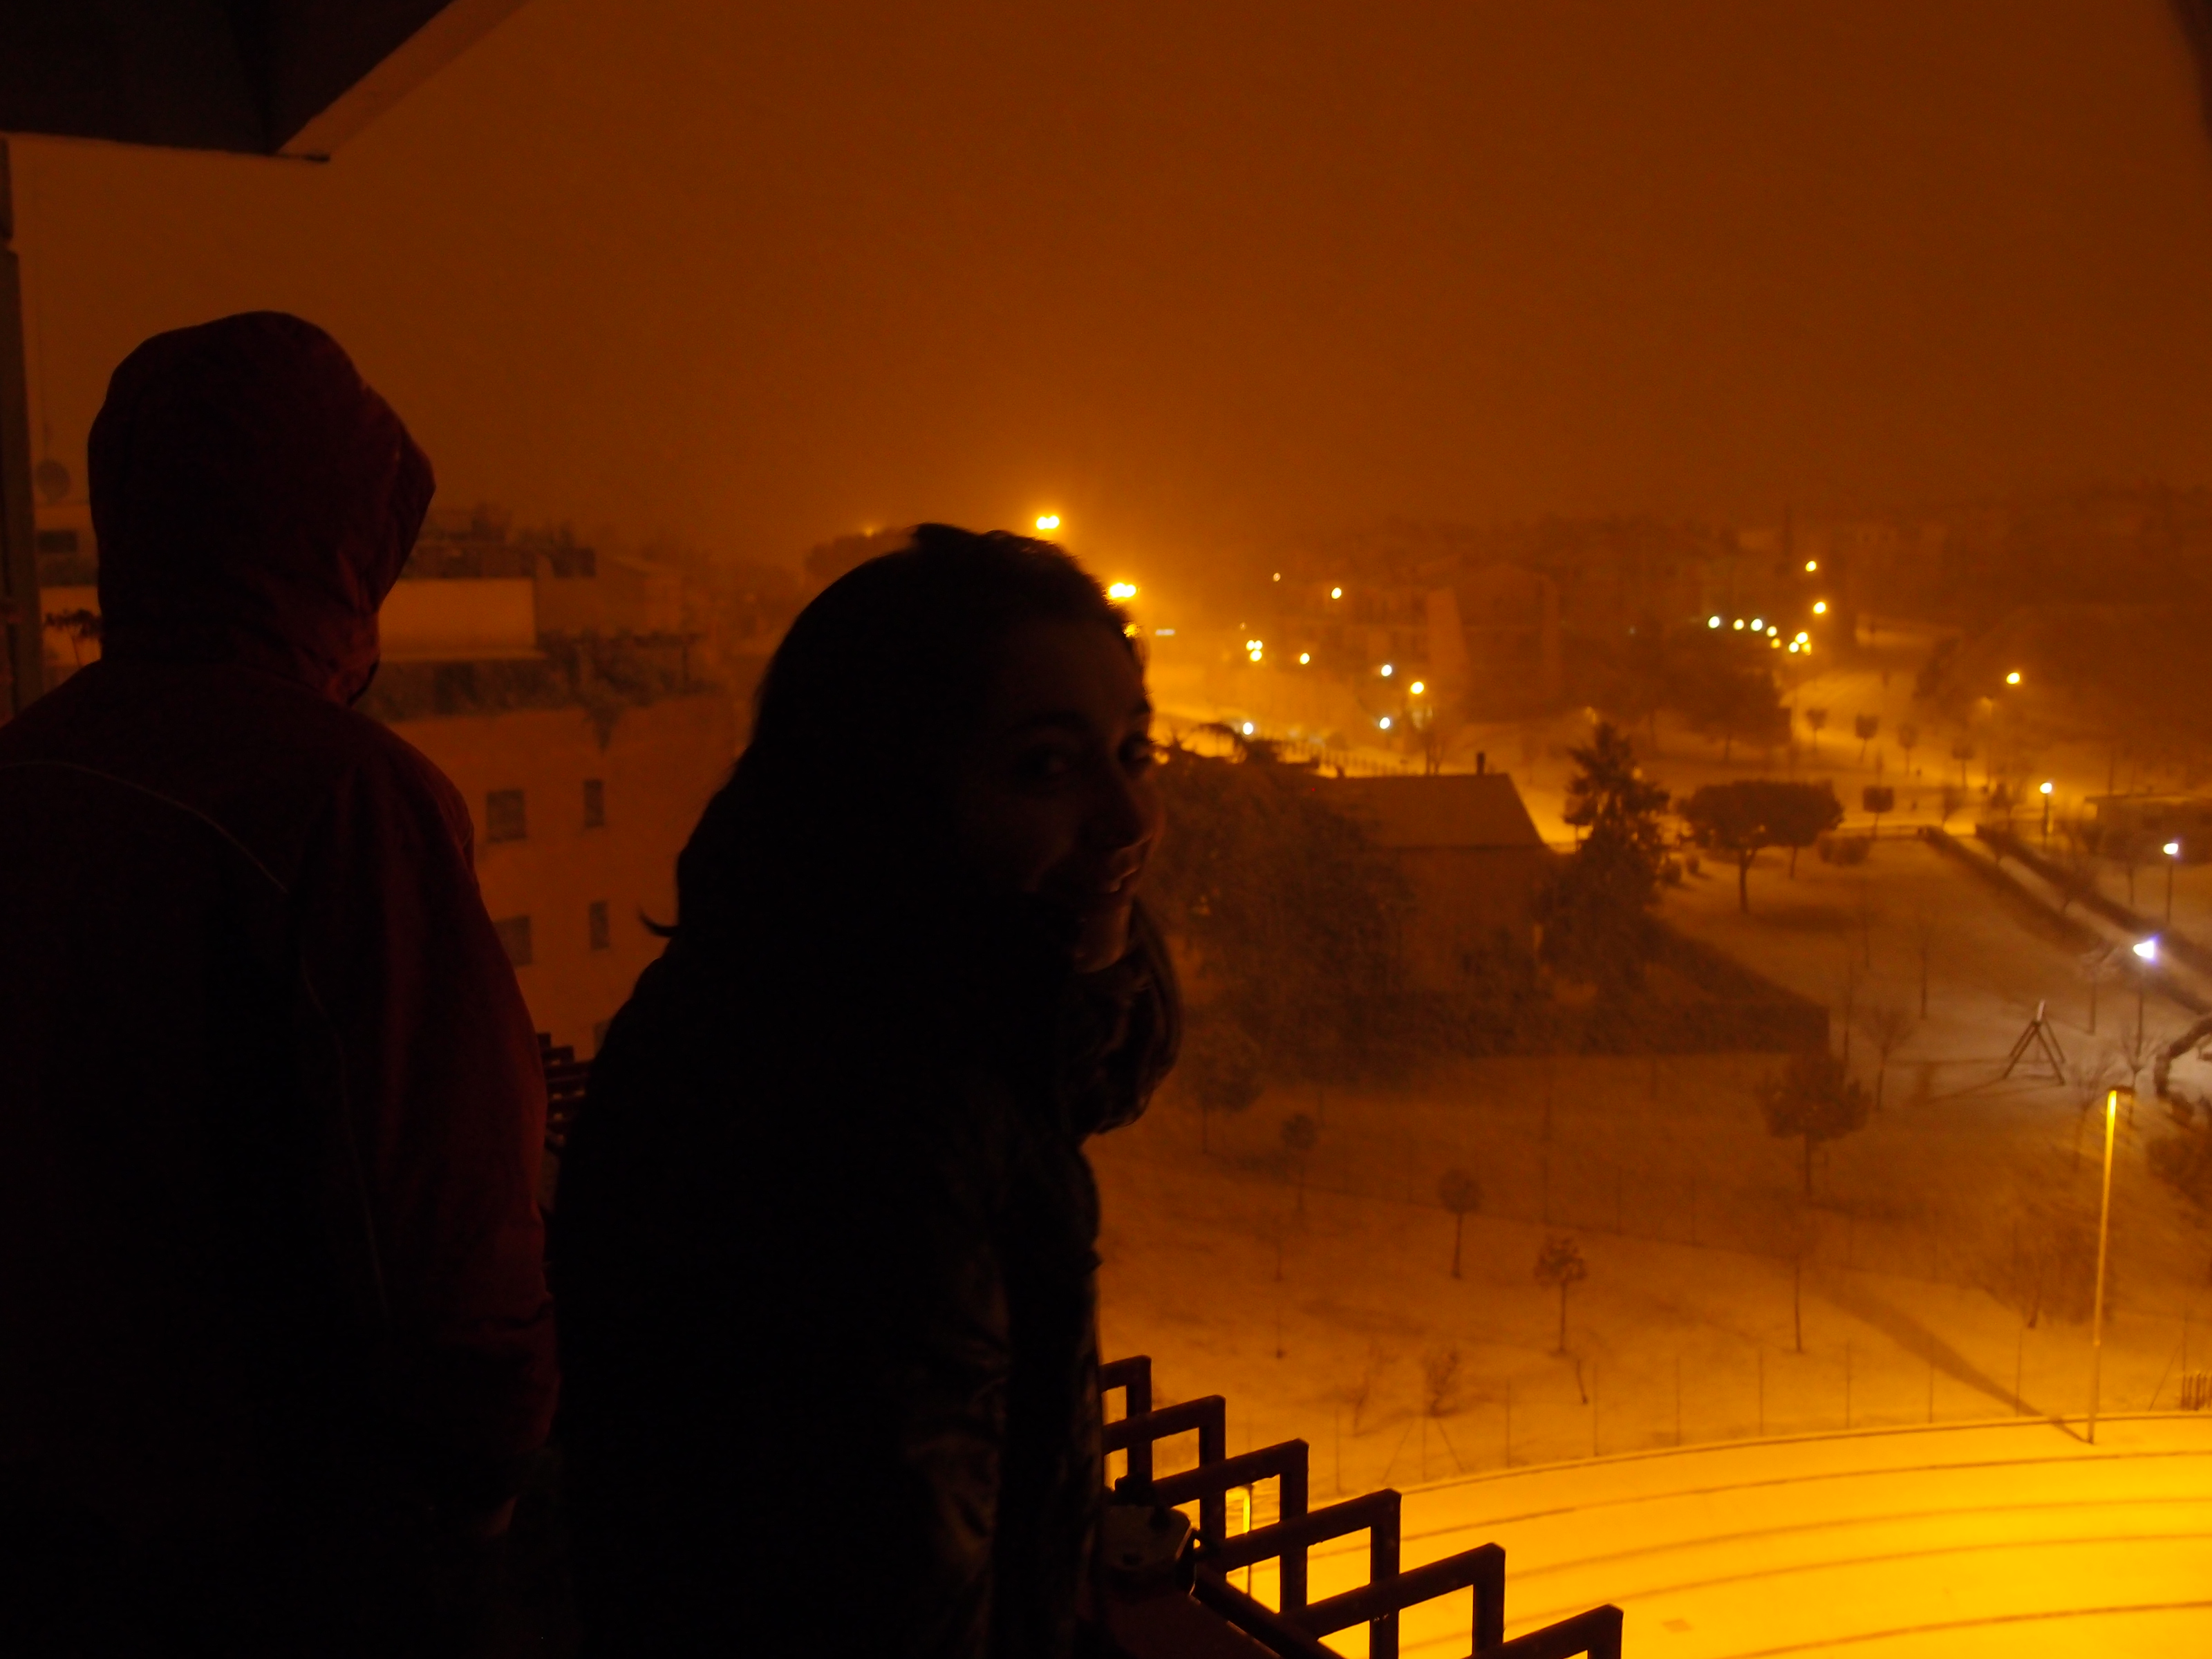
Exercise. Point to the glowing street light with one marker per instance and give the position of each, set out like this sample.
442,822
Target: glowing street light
2013,678
1418,688
1336,592
1305,657
1248,728
1119,591
1803,636
2172,851
1820,607
1712,622
1759,625
1048,521
1738,623
1387,670
1386,722
1812,565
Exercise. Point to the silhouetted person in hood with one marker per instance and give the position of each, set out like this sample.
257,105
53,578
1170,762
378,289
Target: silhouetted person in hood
274,1330
825,1240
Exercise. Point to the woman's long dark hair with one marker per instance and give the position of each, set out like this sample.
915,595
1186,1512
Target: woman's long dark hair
825,866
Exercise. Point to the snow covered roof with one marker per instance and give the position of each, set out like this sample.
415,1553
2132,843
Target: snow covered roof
1455,810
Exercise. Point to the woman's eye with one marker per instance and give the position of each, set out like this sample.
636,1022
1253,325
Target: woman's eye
1040,765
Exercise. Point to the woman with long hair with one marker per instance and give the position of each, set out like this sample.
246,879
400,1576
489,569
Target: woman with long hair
824,1252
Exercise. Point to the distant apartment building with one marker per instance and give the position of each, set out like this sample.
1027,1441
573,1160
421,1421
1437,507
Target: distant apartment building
571,699
583,721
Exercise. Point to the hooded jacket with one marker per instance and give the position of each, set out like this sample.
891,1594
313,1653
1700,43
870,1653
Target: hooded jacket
271,1106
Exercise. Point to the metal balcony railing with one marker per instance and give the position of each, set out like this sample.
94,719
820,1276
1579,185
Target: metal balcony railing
1293,1630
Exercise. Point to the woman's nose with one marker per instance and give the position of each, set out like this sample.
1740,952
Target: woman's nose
1121,816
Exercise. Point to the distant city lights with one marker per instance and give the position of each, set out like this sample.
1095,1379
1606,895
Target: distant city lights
1336,592
1387,670
1418,688
1712,622
1304,657
1812,565
1757,624
2013,678
1820,607
1123,591
1796,646
1738,624
1048,521
1386,722
1279,576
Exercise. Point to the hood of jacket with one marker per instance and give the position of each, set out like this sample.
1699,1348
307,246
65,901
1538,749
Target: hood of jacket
254,500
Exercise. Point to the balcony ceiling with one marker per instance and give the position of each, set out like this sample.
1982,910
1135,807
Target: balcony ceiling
257,77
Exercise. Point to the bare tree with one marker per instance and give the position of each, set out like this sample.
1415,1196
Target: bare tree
1816,1097
1887,1025
2048,1265
2074,867
1962,751
1440,1381
1458,1192
1361,1393
1863,727
1560,1262
1798,1234
1818,720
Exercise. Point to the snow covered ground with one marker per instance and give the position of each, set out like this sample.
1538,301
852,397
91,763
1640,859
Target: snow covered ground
2018,1539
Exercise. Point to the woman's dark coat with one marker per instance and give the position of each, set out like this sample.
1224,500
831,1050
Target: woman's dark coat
827,1312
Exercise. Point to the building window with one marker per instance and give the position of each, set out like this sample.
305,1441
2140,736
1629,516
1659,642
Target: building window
504,819
602,934
595,804
514,939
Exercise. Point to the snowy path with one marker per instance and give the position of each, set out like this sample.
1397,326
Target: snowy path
2013,1538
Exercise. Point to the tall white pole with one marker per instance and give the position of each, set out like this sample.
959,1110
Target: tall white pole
2103,1235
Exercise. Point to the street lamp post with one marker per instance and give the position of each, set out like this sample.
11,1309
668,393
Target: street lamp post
2172,850
2146,955
2103,1236
2046,816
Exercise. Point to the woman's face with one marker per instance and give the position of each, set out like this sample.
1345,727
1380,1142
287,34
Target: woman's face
1057,797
